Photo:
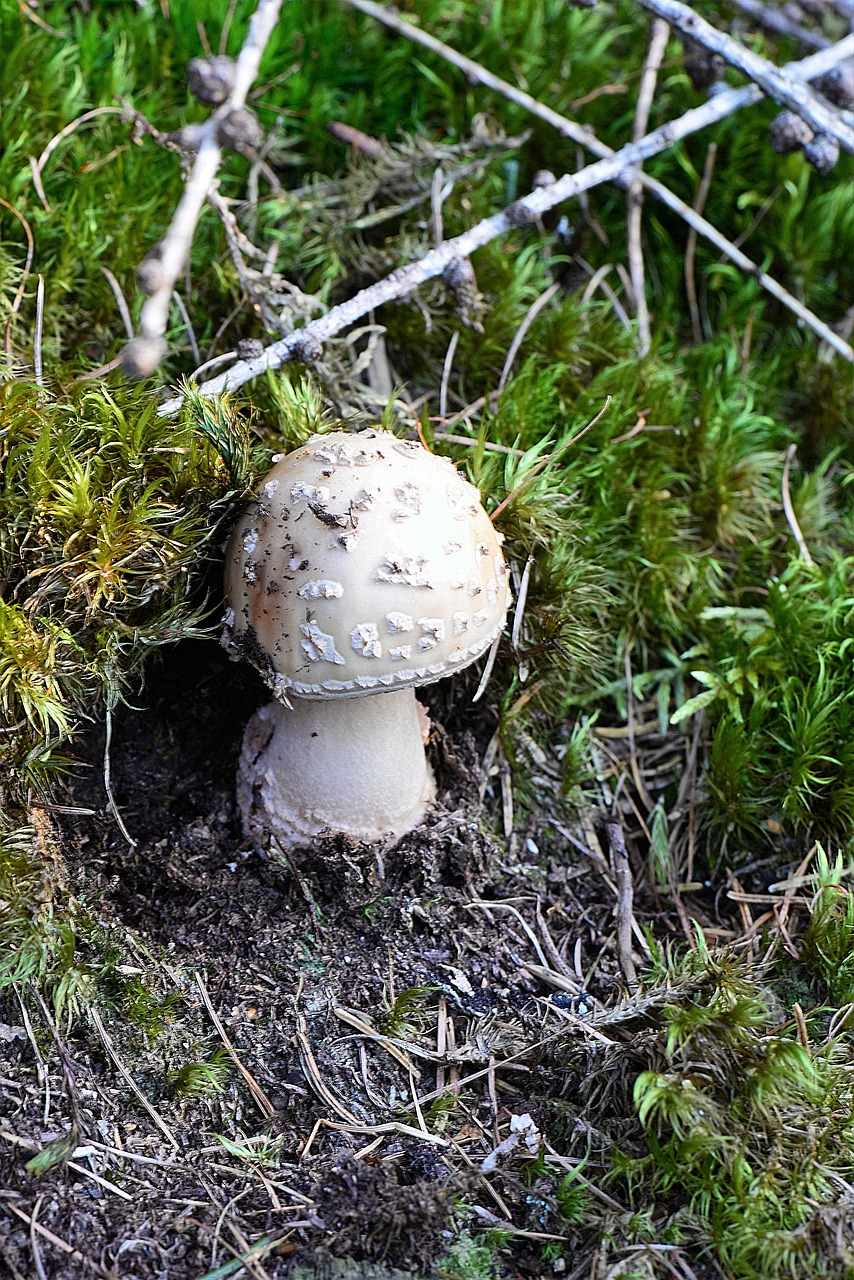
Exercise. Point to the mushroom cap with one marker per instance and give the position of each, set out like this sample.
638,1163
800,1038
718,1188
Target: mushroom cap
363,563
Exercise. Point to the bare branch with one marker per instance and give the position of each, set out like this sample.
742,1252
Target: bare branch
774,81
305,344
145,352
717,108
634,198
776,20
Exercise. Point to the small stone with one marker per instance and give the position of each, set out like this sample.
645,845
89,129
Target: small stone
250,349
822,152
211,80
240,129
788,133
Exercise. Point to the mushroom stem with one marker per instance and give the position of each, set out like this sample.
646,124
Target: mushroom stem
354,766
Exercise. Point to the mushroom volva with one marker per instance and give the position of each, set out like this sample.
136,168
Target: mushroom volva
364,567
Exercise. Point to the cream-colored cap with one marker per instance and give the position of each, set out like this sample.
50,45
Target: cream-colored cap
364,563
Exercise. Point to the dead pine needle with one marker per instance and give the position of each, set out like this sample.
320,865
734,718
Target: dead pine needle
263,1103
700,198
788,508
129,1080
108,786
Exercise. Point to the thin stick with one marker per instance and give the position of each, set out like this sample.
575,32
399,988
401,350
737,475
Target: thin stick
791,518
776,82
700,198
775,20
530,316
174,248
446,374
19,292
634,197
715,109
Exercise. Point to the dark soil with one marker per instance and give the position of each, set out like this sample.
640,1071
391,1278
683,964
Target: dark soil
399,939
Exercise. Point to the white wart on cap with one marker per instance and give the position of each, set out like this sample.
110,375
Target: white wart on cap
365,566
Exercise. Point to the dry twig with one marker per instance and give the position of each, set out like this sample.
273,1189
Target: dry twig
147,350
777,82
306,343
634,196
776,20
717,108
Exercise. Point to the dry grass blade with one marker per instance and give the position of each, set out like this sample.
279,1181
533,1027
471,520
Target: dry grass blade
263,1103
370,1033
791,518
63,1245
37,166
528,319
108,1045
311,1071
121,303
28,262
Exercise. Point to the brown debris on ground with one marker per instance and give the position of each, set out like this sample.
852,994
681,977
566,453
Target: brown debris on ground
319,1060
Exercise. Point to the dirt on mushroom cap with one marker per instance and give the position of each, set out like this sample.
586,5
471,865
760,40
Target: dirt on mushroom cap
365,562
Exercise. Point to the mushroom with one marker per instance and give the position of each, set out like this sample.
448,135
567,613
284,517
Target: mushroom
365,567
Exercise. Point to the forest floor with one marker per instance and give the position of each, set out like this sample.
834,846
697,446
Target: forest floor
592,1019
